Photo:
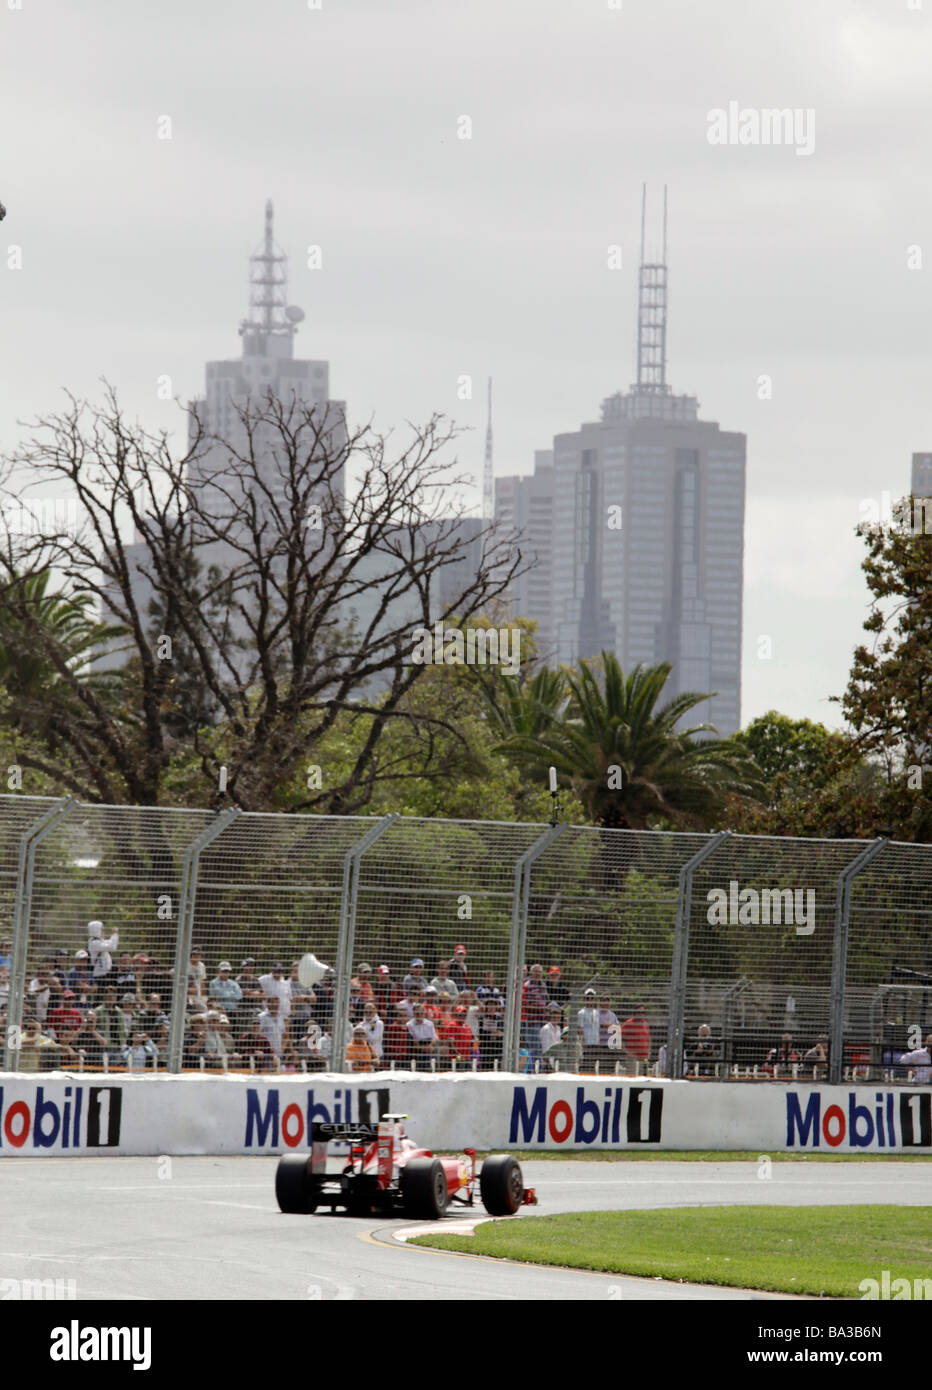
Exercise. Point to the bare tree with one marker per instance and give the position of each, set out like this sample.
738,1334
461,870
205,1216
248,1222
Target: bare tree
250,555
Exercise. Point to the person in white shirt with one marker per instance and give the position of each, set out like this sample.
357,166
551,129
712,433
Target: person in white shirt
375,1028
587,1021
921,1060
443,981
273,1027
316,1046
551,1033
423,1037
99,950
276,985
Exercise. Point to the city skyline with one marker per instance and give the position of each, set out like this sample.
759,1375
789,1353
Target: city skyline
436,263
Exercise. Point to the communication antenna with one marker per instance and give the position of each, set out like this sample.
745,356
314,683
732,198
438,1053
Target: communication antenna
652,310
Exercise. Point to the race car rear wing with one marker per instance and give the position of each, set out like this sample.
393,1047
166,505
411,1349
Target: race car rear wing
323,1132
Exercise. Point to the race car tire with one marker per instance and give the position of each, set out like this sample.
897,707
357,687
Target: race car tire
501,1185
293,1185
424,1189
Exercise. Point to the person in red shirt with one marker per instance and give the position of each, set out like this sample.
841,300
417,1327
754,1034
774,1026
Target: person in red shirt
386,993
456,1038
66,1018
635,1035
431,999
396,1044
66,1023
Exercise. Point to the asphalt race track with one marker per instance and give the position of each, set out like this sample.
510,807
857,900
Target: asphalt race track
191,1228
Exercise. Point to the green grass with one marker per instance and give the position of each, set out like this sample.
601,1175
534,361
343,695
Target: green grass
704,1156
811,1250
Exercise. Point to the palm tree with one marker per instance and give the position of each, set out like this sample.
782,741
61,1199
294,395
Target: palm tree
525,707
627,762
47,641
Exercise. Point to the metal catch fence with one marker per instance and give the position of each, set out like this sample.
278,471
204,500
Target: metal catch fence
156,938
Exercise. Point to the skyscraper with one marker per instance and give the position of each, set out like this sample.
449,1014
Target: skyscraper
921,479
266,365
647,535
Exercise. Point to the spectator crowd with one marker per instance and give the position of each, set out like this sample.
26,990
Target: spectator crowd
100,1009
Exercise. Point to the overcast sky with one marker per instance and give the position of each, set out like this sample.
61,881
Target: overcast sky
444,256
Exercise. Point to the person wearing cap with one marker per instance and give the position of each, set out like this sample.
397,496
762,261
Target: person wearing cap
129,1006
315,1047
385,992
99,949
218,1041
66,1021
415,977
557,990
443,981
79,978
587,1024
364,976
423,1037
458,972
223,991
551,1034
360,1054
431,1001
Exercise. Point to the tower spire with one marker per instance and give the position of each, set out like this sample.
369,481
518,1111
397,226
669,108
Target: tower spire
652,311
488,474
270,327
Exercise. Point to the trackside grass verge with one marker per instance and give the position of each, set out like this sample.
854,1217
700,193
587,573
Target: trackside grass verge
705,1156
810,1250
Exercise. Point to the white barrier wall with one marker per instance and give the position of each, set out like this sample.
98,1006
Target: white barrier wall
60,1114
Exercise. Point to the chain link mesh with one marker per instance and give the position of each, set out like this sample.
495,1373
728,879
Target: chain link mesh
616,941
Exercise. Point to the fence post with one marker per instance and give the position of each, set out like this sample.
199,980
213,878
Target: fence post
186,901
680,964
22,908
519,911
836,1030
344,964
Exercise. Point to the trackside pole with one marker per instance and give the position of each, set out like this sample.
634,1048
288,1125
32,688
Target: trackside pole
519,912
189,868
349,897
836,1032
22,911
680,964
